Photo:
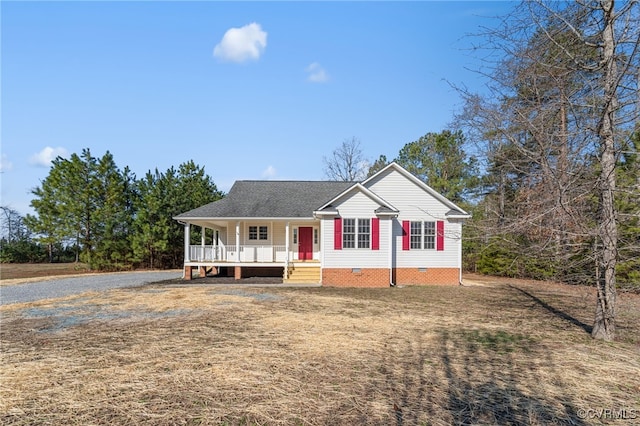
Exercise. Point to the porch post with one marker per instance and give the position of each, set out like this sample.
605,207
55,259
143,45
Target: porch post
188,270
237,241
204,231
187,240
286,243
216,243
286,251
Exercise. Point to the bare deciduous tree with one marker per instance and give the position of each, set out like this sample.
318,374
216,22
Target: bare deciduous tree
12,225
347,162
563,97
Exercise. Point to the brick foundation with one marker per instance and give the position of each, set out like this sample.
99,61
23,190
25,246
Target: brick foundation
379,277
188,273
202,271
426,276
361,277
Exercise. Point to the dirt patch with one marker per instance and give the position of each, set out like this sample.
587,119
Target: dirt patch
13,273
505,353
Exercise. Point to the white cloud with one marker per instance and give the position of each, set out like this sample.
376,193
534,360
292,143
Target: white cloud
47,155
316,73
269,173
241,44
5,164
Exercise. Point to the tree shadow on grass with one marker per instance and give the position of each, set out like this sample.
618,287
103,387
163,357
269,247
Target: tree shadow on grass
557,312
474,376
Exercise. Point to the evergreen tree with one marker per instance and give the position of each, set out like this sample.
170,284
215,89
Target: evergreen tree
378,165
151,223
159,240
86,201
113,215
439,160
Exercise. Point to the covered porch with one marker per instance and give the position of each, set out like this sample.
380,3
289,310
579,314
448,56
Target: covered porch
252,245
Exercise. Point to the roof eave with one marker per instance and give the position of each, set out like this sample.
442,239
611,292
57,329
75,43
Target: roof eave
459,216
178,218
325,213
358,186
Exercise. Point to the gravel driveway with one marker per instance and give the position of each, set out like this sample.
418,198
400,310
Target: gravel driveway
30,292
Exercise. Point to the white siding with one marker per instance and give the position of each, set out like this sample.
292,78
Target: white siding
448,258
415,204
355,205
412,201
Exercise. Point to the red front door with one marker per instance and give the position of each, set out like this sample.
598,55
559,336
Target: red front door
305,243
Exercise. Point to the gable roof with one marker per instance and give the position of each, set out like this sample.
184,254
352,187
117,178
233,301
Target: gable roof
454,212
385,207
269,199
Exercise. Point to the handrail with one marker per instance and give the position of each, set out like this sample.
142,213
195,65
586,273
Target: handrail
248,253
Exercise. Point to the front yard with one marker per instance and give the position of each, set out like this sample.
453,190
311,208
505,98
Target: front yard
503,353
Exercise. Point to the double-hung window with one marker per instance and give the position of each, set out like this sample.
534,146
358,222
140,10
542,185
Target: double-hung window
364,233
416,235
429,235
260,233
349,233
423,235
356,233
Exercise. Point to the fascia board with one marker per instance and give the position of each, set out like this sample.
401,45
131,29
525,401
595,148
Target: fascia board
458,216
184,219
364,190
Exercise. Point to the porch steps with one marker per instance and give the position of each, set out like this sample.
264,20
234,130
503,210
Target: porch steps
303,274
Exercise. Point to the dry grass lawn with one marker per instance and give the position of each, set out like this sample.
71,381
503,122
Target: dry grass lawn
514,353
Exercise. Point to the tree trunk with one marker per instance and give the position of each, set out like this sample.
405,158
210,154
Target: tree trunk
604,324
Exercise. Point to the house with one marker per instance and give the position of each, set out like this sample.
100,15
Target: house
391,229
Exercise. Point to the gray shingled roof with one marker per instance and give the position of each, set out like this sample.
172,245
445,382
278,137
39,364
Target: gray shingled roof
250,198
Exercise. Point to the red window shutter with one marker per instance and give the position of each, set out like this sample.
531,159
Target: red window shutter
406,237
337,233
440,236
375,233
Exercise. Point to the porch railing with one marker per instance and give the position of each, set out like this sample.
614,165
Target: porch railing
199,253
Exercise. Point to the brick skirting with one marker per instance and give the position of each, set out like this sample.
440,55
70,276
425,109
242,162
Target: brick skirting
379,277
426,276
357,277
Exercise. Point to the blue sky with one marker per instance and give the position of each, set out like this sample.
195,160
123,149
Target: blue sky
248,90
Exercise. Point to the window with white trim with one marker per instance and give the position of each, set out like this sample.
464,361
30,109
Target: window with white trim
416,235
429,235
423,235
364,233
258,233
356,233
348,233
